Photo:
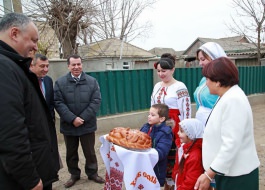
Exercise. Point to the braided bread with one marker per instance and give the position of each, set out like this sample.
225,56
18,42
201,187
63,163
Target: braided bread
129,138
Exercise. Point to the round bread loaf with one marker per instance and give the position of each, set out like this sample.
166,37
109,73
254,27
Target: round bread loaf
129,138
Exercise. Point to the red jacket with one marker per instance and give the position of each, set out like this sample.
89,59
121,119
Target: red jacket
192,166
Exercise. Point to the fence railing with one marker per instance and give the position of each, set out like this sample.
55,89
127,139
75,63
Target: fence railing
130,90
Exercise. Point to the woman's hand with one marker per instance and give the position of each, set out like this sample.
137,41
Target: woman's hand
203,183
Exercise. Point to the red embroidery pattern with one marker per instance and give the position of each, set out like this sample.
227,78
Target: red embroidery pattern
162,91
150,178
187,108
140,186
182,93
113,148
114,181
108,156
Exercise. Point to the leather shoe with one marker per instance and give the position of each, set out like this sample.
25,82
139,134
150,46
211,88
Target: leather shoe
71,182
97,179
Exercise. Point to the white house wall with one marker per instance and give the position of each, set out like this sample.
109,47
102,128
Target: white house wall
116,64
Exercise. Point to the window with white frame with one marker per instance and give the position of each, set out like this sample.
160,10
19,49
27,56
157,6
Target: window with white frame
126,65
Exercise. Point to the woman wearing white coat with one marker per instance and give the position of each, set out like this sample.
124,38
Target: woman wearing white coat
228,150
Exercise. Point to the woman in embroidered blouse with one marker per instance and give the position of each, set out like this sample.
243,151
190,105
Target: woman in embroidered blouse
228,149
204,100
175,95
170,91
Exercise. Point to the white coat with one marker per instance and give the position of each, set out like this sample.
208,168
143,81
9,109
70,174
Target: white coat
228,141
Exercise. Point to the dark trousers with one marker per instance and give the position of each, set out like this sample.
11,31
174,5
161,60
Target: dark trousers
72,158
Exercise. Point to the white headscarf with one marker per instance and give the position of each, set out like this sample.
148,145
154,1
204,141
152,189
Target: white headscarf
192,127
213,50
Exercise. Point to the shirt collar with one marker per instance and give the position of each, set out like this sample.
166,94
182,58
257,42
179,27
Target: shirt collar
76,77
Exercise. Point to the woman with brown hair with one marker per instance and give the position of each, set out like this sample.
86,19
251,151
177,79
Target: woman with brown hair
228,150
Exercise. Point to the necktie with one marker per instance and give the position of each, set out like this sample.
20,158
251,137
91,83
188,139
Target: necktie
40,83
76,79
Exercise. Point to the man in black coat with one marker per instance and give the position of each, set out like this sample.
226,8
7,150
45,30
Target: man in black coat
28,142
40,66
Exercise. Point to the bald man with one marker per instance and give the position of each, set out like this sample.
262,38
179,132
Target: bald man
28,143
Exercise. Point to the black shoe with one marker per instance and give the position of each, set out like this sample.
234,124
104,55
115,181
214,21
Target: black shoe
71,182
97,179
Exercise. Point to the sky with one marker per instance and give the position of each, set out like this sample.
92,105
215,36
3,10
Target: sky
178,23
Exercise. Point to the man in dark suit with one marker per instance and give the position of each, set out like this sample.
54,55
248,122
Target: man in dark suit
40,66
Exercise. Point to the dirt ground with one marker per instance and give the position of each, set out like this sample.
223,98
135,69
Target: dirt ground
85,184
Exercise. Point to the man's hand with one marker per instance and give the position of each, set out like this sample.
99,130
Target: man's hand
78,121
39,186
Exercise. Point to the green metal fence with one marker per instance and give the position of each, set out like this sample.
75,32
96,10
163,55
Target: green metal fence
124,91
130,90
252,79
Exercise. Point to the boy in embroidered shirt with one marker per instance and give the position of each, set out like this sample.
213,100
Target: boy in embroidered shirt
161,134
189,154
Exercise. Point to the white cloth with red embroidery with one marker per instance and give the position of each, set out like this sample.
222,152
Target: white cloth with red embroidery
135,168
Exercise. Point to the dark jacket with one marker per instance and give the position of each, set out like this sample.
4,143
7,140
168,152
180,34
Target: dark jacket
49,94
161,136
28,142
77,99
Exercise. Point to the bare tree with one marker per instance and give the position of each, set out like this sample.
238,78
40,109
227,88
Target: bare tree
48,43
65,17
249,22
90,20
118,19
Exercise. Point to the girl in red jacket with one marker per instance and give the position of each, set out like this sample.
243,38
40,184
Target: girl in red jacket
189,154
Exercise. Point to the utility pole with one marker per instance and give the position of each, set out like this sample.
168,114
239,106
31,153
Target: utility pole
17,6
7,6
12,6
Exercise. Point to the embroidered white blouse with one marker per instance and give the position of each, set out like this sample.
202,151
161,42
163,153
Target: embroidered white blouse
175,96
